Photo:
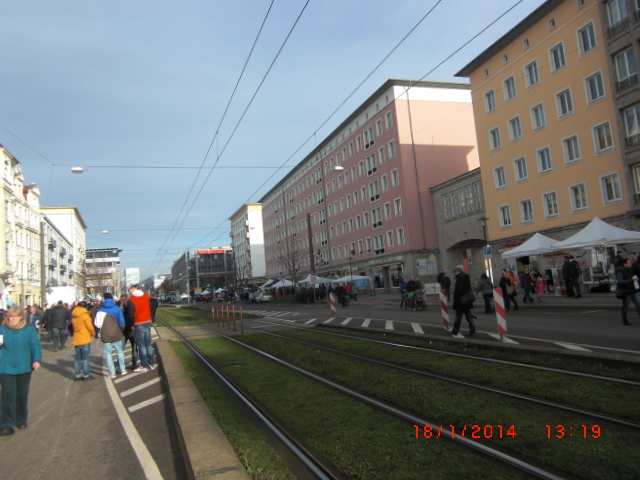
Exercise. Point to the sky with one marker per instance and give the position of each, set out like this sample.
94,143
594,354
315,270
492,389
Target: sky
136,94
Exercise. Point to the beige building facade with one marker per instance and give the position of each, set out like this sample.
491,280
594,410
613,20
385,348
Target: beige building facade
547,127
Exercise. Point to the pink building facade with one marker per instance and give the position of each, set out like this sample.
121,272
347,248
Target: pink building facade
360,203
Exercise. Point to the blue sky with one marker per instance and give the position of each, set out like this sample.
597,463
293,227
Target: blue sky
120,84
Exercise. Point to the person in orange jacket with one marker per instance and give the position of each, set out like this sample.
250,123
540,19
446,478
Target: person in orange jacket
83,333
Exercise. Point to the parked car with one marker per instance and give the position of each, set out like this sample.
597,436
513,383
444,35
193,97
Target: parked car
260,297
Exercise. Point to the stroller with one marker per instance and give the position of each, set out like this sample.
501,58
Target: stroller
420,299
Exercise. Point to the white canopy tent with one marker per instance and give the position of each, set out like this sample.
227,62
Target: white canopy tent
282,283
317,280
536,245
206,292
597,234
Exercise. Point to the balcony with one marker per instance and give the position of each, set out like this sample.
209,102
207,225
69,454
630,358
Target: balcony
379,251
63,251
52,244
618,27
632,141
53,264
627,82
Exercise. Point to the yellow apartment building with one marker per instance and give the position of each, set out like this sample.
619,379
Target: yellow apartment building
546,121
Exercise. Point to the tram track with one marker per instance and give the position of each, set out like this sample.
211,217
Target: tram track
499,454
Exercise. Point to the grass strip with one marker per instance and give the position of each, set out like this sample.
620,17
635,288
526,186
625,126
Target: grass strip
255,454
597,395
361,442
591,365
612,455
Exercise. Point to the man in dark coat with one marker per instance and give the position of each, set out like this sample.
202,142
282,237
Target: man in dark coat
463,285
566,275
56,321
128,310
153,304
574,276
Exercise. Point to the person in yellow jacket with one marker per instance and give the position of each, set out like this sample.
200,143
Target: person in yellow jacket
83,333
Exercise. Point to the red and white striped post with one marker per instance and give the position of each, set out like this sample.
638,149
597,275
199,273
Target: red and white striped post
501,314
444,307
332,301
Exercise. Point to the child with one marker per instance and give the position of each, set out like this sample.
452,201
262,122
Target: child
540,286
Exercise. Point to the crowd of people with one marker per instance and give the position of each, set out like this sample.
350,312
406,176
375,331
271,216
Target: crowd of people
115,321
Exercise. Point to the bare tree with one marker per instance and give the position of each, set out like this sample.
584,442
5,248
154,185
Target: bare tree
289,257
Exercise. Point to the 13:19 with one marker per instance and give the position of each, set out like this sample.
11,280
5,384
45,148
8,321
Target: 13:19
562,431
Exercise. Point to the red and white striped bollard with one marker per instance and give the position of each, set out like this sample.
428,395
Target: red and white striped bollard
501,314
444,307
332,301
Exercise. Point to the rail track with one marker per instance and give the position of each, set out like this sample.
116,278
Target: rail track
530,467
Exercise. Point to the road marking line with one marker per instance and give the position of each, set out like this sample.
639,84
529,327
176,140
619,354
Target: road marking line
366,322
140,387
146,403
417,328
330,320
388,324
308,322
346,321
144,457
504,339
122,378
572,346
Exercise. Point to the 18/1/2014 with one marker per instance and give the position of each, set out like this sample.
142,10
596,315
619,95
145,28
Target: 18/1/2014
475,431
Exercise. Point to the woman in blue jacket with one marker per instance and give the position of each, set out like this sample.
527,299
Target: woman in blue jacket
20,354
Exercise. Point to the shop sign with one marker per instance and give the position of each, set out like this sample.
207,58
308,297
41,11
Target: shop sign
514,242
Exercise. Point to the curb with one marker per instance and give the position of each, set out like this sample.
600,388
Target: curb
206,451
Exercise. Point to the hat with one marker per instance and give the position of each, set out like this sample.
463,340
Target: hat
107,296
457,269
570,257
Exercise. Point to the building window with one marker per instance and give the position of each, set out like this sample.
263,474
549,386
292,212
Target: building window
538,119
486,72
602,138
571,148
617,12
477,191
505,216
509,89
470,198
494,139
552,23
379,130
368,138
564,103
390,238
397,207
505,58
387,211
578,194
374,191
358,222
550,202
360,247
531,74
557,59
351,149
635,173
544,160
389,120
382,156
361,167
358,143
520,168
632,126
595,87
515,128
500,178
376,218
368,240
392,149
385,183
626,69
372,166
526,211
395,178
489,101
587,39
525,42
611,190
582,3
400,232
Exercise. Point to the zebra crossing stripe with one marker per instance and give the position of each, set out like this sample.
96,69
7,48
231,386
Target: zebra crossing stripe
572,346
366,322
146,403
416,328
346,321
388,324
503,338
309,321
330,320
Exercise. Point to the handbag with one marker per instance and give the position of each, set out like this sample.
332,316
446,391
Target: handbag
468,298
620,294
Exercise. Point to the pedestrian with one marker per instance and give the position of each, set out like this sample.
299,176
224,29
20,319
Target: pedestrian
446,285
574,276
142,328
527,285
512,290
627,288
462,307
83,333
56,323
403,292
354,292
128,313
440,278
566,275
347,289
341,293
619,260
34,317
540,286
110,320
485,287
20,354
505,286
153,305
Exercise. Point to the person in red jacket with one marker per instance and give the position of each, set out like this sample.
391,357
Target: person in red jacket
142,328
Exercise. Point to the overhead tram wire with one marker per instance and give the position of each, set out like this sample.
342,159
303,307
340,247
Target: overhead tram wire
422,78
242,117
217,129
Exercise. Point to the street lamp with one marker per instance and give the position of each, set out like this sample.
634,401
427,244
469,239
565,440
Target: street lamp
351,254
77,170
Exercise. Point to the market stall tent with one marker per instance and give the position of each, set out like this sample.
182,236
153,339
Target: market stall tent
597,234
536,245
